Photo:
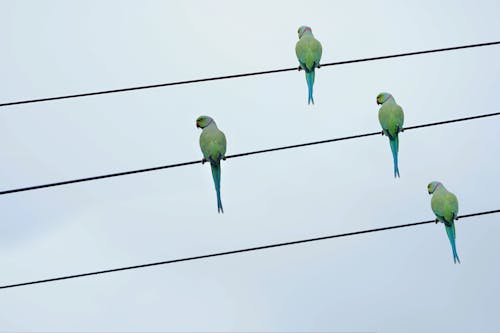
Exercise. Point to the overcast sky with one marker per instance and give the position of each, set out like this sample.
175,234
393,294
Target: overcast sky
392,281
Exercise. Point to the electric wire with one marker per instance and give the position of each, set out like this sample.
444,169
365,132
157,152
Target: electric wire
250,249
176,83
176,165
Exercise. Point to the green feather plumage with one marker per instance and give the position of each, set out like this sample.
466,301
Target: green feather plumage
444,204
391,118
213,147
309,50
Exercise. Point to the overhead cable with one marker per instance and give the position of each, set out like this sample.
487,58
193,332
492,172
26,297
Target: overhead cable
255,152
250,249
233,76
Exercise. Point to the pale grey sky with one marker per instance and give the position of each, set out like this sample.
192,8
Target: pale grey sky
402,280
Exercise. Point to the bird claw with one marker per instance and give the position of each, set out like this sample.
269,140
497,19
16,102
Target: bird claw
203,160
437,221
319,66
224,158
300,68
382,133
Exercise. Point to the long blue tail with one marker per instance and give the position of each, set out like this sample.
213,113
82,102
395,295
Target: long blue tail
395,148
216,175
310,82
450,230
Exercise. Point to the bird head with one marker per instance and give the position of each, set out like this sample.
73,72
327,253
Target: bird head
203,121
303,29
433,186
382,97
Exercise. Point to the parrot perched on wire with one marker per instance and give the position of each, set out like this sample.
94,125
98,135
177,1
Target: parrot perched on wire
308,50
445,206
391,118
213,147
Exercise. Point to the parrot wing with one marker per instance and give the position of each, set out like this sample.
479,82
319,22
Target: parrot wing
308,50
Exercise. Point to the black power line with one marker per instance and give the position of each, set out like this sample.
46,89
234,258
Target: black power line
169,166
250,249
245,74
360,135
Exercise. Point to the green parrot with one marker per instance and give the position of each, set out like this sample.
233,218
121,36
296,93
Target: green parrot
445,206
308,50
391,118
213,147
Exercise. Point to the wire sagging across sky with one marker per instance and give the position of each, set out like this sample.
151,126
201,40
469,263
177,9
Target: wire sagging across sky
251,249
177,165
226,77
